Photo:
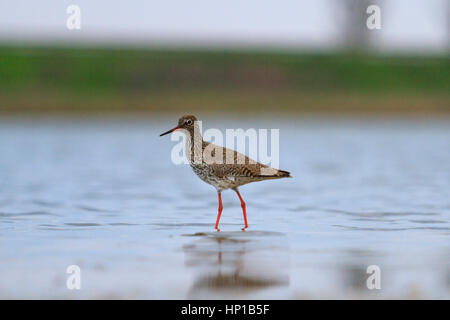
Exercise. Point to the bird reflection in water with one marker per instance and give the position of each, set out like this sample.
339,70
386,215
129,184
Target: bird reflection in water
237,263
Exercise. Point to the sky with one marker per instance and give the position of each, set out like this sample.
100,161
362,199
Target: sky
408,25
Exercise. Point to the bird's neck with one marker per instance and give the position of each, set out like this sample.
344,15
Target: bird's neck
194,146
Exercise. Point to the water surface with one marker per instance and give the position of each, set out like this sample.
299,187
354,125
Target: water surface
103,194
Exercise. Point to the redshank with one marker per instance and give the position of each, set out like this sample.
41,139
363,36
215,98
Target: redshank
221,167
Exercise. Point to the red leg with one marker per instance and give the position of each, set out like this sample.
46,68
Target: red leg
243,209
220,212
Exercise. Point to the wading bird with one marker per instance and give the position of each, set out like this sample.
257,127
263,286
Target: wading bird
221,167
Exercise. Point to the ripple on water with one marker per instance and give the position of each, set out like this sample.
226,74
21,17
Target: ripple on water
179,225
428,221
390,229
380,213
96,209
122,224
82,224
27,214
45,203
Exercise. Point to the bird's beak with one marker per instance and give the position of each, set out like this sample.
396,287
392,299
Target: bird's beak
170,131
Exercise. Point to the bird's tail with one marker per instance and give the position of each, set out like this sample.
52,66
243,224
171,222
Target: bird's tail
284,174
276,174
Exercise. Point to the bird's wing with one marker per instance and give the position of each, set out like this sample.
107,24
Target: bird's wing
236,164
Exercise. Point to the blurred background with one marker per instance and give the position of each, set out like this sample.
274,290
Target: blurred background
364,125
253,56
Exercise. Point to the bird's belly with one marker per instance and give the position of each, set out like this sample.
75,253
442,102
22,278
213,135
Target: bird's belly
205,173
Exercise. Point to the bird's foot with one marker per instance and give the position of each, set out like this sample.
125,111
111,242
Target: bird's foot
217,229
243,229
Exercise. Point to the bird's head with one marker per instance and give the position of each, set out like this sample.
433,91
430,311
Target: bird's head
185,122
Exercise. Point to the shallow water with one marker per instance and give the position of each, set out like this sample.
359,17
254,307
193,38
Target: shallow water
104,195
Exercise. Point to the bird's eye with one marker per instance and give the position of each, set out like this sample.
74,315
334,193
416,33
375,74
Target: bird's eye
188,122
